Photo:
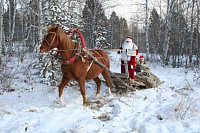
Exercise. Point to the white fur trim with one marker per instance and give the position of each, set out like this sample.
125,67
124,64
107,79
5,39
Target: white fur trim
128,40
126,46
131,66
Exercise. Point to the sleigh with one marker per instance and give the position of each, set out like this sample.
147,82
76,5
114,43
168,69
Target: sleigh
80,63
121,81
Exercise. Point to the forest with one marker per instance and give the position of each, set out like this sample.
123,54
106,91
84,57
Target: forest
170,31
167,33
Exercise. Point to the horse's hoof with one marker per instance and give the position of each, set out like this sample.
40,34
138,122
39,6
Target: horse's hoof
97,95
63,105
109,92
61,102
85,104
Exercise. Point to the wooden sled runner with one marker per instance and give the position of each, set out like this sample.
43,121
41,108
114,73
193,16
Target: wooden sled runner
135,84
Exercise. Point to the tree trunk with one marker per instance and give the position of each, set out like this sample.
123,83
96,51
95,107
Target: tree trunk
147,32
197,40
191,36
1,26
13,21
167,32
40,23
12,11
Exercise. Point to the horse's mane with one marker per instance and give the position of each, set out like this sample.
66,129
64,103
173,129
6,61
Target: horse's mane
65,40
52,28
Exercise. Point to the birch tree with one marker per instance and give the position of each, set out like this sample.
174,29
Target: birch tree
167,32
40,21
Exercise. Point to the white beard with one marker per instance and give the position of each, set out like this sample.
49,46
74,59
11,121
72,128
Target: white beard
126,46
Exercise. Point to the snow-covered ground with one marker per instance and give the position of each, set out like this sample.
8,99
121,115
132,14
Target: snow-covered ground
174,107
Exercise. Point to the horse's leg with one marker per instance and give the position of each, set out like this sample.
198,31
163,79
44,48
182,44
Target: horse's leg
64,82
98,82
107,78
82,89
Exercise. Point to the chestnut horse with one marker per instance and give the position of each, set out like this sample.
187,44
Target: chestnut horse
81,68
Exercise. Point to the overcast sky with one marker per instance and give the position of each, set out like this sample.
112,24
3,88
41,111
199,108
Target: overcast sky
131,8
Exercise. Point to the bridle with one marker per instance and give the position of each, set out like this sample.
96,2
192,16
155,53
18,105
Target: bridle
73,56
49,45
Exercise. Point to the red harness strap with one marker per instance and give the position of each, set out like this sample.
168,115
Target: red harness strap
73,58
57,54
70,61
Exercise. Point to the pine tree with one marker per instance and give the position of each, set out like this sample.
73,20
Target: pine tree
114,31
124,32
154,30
177,37
66,14
95,22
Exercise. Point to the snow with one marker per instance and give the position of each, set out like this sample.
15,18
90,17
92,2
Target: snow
174,107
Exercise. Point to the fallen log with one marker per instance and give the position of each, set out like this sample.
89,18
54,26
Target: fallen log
134,83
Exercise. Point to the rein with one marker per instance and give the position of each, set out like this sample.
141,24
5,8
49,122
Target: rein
49,45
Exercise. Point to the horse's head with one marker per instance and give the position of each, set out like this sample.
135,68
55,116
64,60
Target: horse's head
50,41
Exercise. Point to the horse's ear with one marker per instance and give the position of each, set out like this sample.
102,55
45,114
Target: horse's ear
52,28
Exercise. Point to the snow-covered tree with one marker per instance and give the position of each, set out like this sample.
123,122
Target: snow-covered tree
154,29
101,42
95,22
124,32
64,13
1,26
67,14
114,31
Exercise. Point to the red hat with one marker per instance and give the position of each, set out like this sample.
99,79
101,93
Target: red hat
141,56
128,39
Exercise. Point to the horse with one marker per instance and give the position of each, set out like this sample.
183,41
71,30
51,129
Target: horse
76,65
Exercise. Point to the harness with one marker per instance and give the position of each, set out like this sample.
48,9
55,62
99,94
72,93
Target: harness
77,52
75,55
